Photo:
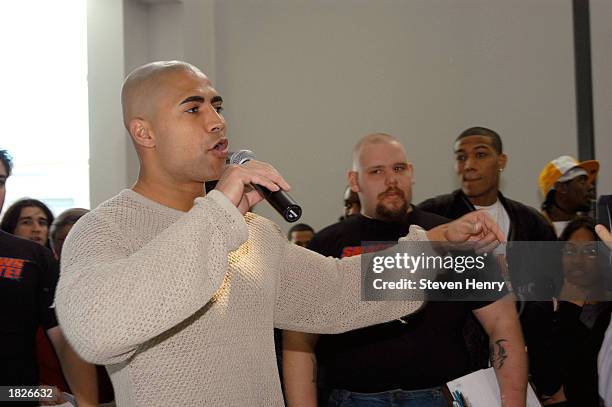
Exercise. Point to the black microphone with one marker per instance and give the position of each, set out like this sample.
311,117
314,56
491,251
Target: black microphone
280,200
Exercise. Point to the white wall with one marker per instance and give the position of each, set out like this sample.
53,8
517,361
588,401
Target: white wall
105,60
303,80
122,35
136,46
601,39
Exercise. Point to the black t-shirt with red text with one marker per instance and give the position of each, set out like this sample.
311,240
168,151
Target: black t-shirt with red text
426,350
28,276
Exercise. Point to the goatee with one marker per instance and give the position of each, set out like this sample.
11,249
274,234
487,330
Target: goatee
398,214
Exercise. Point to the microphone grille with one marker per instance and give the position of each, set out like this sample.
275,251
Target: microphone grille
240,157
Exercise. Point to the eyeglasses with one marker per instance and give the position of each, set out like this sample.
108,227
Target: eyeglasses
584,251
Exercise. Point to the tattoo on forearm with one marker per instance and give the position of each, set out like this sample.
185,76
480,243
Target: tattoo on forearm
498,353
314,369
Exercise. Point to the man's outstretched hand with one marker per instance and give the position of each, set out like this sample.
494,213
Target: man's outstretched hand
474,231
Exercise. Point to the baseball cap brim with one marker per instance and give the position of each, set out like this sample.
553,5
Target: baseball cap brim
591,167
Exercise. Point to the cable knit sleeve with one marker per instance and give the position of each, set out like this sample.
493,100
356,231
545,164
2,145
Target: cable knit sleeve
111,298
323,295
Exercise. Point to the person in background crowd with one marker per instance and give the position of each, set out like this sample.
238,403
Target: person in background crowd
28,276
61,226
567,186
352,205
30,219
300,234
479,163
564,335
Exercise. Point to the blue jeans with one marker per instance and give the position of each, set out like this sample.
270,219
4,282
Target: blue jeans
395,398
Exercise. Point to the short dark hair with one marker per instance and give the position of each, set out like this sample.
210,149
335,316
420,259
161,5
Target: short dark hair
11,216
300,227
66,218
579,222
496,141
7,161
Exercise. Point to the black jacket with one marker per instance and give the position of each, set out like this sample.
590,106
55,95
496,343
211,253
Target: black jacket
526,224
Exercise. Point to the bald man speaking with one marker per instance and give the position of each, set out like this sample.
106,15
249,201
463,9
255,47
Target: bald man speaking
176,291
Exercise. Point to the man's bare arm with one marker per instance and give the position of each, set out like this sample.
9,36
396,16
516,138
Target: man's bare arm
507,349
300,368
80,375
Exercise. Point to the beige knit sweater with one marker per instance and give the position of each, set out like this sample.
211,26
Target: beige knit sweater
180,306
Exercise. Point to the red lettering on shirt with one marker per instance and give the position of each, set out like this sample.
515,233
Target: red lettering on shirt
349,251
11,268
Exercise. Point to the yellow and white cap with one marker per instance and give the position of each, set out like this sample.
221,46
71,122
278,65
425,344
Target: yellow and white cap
565,168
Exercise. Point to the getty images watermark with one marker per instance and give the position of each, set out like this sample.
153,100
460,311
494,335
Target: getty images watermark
410,263
534,271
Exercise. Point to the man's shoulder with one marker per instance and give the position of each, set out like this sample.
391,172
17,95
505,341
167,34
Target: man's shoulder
348,223
17,247
9,240
335,230
120,215
124,200
523,209
107,211
439,204
328,241
437,200
530,215
427,220
123,209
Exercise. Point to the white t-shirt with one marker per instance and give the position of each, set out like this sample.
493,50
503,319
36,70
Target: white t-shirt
560,226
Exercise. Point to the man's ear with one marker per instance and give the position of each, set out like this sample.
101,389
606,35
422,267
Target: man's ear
353,180
141,133
502,161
